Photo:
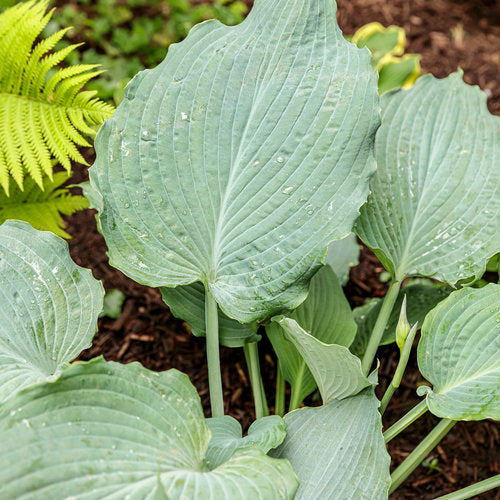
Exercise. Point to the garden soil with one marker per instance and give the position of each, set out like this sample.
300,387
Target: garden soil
448,34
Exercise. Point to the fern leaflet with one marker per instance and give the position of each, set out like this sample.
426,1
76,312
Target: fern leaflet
43,112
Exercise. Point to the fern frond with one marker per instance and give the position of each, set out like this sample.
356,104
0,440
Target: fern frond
42,209
42,117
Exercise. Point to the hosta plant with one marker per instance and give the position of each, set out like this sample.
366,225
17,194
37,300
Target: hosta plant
224,179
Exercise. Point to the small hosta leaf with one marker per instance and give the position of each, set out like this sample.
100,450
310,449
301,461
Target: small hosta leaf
49,306
459,353
434,207
238,160
264,434
342,255
110,431
338,450
421,296
327,316
336,371
188,303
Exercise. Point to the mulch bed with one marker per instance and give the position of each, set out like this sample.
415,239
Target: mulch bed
448,34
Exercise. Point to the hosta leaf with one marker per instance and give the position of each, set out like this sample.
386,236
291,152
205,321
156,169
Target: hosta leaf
342,255
421,297
399,72
264,434
434,207
336,371
459,353
337,450
49,306
239,159
188,302
110,431
327,316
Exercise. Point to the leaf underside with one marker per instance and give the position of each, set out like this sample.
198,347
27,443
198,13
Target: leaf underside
336,371
327,316
459,353
112,431
434,207
337,450
49,306
237,160
188,303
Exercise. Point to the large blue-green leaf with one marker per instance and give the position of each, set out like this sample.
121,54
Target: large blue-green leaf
434,207
421,296
110,431
327,316
188,303
337,450
238,160
264,434
49,306
459,353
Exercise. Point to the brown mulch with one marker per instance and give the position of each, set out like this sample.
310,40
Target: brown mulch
448,34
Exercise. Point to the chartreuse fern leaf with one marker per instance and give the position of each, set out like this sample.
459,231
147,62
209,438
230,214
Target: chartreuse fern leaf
42,208
43,113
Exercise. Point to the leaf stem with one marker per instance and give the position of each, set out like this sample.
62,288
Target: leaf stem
279,406
413,460
213,359
381,323
474,489
398,376
251,351
415,413
295,395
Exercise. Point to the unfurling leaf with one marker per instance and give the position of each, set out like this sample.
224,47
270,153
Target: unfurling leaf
422,295
238,160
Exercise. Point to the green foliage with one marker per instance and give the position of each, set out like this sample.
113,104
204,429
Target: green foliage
225,170
118,430
49,307
459,353
42,208
337,450
113,302
387,47
127,37
327,316
421,295
43,113
434,207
